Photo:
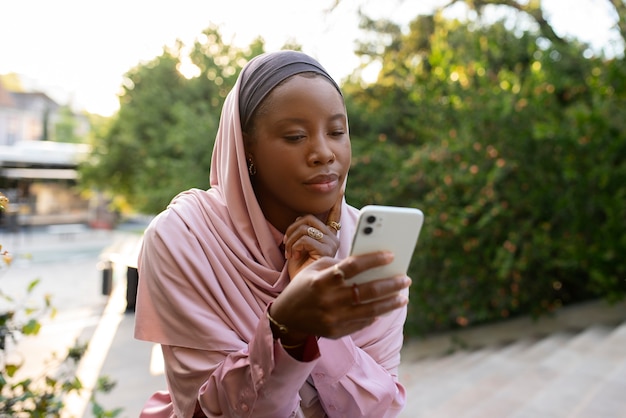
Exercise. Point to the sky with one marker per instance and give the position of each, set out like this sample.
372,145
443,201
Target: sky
77,51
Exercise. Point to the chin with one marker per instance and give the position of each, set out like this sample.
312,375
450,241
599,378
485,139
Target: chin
318,205
320,210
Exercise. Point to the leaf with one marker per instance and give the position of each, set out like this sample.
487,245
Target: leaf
97,410
105,384
51,382
32,327
11,369
48,300
6,317
6,297
76,352
30,311
32,285
72,385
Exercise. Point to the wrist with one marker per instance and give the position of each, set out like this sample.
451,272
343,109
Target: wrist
288,338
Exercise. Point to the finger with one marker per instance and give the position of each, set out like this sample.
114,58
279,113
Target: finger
334,215
378,289
299,228
305,244
291,228
306,221
356,264
306,237
294,232
378,307
309,234
353,318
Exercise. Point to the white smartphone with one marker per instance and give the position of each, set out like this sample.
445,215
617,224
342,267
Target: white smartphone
390,228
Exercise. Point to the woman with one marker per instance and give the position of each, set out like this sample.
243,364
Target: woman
242,284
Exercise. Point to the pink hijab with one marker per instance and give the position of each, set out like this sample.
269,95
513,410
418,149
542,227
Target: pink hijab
211,263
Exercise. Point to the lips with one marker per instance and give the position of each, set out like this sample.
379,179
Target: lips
323,182
322,178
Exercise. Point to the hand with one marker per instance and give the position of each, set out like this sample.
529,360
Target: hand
301,249
318,302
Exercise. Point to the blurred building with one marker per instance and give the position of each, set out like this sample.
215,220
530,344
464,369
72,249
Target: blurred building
38,169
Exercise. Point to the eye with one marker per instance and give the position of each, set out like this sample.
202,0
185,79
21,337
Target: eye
294,138
337,133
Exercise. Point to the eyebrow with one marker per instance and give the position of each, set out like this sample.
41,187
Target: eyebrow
301,120
339,116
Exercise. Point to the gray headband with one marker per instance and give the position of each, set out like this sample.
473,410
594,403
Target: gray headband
266,71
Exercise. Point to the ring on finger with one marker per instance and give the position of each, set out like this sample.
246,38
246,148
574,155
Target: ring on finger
314,233
356,295
335,225
338,273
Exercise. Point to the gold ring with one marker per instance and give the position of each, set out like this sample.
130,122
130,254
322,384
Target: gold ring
315,233
339,273
335,225
356,295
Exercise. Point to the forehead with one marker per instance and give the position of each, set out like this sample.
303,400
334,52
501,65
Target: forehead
305,87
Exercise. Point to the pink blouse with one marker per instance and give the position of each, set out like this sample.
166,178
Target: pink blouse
209,266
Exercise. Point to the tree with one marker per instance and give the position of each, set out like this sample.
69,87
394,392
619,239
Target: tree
160,142
515,149
511,140
65,128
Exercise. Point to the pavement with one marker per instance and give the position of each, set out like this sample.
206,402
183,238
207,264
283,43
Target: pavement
69,267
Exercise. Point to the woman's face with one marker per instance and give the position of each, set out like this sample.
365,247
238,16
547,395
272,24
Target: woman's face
300,147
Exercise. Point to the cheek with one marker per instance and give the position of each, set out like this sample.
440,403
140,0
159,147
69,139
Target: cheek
277,165
344,155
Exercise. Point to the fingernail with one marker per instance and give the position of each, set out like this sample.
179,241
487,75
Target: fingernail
402,300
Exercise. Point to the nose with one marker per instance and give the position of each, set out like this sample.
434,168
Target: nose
321,151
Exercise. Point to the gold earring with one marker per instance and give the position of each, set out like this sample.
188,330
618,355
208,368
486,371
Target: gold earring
251,167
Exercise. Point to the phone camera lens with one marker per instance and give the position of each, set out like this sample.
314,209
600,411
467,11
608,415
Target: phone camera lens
368,230
371,219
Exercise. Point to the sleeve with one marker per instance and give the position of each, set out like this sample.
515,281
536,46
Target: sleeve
199,324
357,376
262,380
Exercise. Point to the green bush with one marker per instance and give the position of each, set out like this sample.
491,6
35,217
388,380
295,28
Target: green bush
517,156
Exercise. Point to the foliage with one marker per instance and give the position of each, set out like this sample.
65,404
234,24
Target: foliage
511,140
516,151
66,126
160,142
41,395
